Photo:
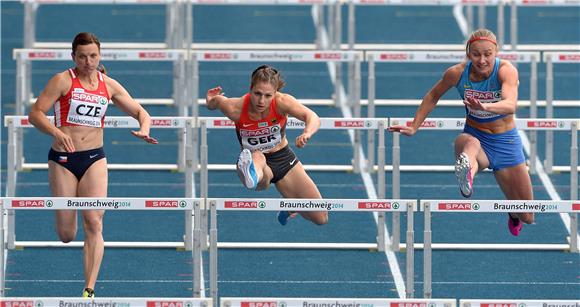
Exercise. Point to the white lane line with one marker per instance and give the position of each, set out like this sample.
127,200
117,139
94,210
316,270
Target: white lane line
367,179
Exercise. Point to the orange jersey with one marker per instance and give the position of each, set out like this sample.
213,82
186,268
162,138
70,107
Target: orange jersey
82,107
263,134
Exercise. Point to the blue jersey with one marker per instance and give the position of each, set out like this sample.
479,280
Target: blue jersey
486,91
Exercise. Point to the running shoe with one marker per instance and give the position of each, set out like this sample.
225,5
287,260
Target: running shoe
514,225
463,174
283,217
89,293
246,166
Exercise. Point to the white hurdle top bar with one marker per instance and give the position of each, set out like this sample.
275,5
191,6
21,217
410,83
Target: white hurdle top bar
521,123
299,204
472,206
562,57
301,302
68,203
443,56
104,301
277,56
111,121
106,54
293,123
518,303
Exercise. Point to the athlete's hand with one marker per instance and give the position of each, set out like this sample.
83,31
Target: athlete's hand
144,136
302,139
474,104
212,93
404,130
64,141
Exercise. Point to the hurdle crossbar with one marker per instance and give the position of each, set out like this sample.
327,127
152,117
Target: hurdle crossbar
294,204
105,301
515,303
342,301
185,124
191,205
488,206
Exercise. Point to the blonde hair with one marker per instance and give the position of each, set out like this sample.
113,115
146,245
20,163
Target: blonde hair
269,75
478,35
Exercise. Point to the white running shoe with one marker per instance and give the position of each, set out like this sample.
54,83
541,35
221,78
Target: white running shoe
463,174
246,166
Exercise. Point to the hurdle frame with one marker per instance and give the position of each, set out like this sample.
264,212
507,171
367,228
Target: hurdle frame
106,301
329,205
301,302
185,124
476,206
103,203
534,124
327,123
513,303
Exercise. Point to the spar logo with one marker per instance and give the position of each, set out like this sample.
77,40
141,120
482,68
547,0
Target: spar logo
569,57
377,205
458,206
17,304
349,123
169,304
576,206
241,204
509,57
43,55
499,304
259,304
31,203
328,56
153,55
217,56
163,122
223,123
395,57
165,204
87,97
543,124
24,122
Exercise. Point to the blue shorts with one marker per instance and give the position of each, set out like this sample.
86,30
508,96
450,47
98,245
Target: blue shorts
503,150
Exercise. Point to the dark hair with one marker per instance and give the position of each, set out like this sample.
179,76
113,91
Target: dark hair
86,38
269,74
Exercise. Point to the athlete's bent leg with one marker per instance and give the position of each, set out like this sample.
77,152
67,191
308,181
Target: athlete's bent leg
297,184
516,184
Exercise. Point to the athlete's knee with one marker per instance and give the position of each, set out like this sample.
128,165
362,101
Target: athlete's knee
66,235
93,225
320,219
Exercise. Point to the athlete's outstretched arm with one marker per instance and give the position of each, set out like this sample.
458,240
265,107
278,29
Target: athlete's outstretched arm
127,104
449,79
289,105
231,107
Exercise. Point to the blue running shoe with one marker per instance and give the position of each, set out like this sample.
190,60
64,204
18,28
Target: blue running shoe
246,166
283,217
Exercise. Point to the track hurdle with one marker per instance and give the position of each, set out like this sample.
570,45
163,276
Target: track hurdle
374,57
551,58
294,204
16,123
64,203
181,91
301,302
495,206
516,303
561,124
104,301
325,124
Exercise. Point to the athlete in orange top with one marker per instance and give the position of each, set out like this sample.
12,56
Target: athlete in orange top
260,118
77,166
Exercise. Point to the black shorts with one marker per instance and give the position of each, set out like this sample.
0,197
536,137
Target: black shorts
77,162
281,162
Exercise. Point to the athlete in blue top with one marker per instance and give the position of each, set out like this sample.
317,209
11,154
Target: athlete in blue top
489,89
